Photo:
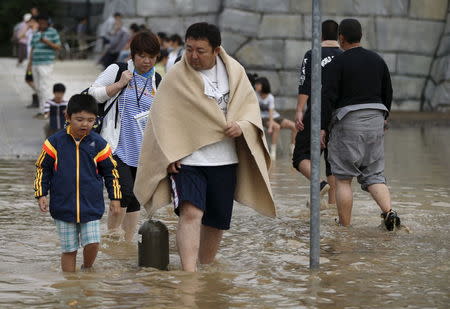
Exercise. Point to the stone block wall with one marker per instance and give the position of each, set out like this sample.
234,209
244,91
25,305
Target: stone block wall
270,38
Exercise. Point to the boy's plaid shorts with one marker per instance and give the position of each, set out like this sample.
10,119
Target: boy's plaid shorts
71,233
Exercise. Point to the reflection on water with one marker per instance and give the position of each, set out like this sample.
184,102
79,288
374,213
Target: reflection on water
263,262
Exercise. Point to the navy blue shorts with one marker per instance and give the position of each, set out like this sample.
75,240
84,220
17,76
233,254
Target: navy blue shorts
209,188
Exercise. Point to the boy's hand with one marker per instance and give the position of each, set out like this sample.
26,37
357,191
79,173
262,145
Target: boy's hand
114,207
43,205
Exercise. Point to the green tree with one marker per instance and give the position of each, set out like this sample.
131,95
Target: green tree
11,13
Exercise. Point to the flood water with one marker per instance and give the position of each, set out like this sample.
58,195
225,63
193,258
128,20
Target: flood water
263,263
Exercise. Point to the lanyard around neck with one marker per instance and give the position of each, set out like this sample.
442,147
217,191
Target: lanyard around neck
138,97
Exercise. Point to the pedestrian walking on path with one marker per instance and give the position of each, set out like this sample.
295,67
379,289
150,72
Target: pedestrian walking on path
357,95
205,133
301,158
131,96
44,44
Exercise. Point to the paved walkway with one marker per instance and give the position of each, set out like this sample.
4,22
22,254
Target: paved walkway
21,135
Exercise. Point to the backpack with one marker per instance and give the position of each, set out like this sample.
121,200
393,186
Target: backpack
102,112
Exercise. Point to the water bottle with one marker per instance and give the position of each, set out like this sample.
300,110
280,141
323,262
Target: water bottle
153,245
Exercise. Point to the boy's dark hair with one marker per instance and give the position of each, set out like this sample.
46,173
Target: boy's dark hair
330,30
59,88
205,31
82,102
176,38
145,41
134,27
117,14
265,85
351,30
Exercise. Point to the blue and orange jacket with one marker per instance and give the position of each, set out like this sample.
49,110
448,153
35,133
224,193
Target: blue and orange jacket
73,171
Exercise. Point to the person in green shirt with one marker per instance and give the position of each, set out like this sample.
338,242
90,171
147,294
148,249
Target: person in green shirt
44,45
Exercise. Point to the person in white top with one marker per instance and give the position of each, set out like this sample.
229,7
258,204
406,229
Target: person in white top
175,51
204,182
270,117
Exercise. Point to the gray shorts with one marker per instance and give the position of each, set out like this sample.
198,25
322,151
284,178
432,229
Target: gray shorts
356,147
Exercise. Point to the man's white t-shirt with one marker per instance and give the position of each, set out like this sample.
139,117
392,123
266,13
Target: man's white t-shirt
224,151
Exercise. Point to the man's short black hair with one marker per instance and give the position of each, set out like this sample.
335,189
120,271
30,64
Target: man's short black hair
134,27
330,30
265,85
252,77
351,30
204,31
82,103
117,14
162,35
59,88
43,17
176,38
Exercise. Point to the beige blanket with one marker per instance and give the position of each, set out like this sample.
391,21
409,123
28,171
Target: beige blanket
183,119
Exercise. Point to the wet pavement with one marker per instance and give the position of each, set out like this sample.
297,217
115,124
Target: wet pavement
21,135
263,263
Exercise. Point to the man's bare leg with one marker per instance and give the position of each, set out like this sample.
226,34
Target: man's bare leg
380,193
305,168
129,224
90,254
188,235
344,200
210,238
332,191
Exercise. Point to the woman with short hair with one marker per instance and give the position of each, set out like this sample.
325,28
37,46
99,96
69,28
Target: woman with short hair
131,88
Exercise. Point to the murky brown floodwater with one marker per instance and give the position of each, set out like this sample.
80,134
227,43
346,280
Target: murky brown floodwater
263,262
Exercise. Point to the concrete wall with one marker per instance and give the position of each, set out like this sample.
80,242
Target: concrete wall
270,38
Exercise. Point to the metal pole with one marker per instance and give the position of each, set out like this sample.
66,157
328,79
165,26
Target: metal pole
314,253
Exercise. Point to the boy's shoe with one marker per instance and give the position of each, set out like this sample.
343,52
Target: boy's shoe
324,187
391,220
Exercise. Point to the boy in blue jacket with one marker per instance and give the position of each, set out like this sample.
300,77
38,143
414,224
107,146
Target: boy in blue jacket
72,165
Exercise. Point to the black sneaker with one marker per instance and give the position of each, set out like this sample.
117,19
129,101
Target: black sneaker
391,220
324,187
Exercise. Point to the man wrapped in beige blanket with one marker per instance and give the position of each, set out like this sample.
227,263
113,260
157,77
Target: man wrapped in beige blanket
205,101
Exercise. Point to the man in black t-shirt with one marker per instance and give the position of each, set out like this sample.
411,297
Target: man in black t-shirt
302,153
356,100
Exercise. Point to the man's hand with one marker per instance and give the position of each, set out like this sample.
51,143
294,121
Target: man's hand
299,121
323,135
114,207
233,130
125,78
174,168
43,205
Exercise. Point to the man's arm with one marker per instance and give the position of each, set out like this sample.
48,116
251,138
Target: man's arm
304,90
51,44
386,91
330,92
302,99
